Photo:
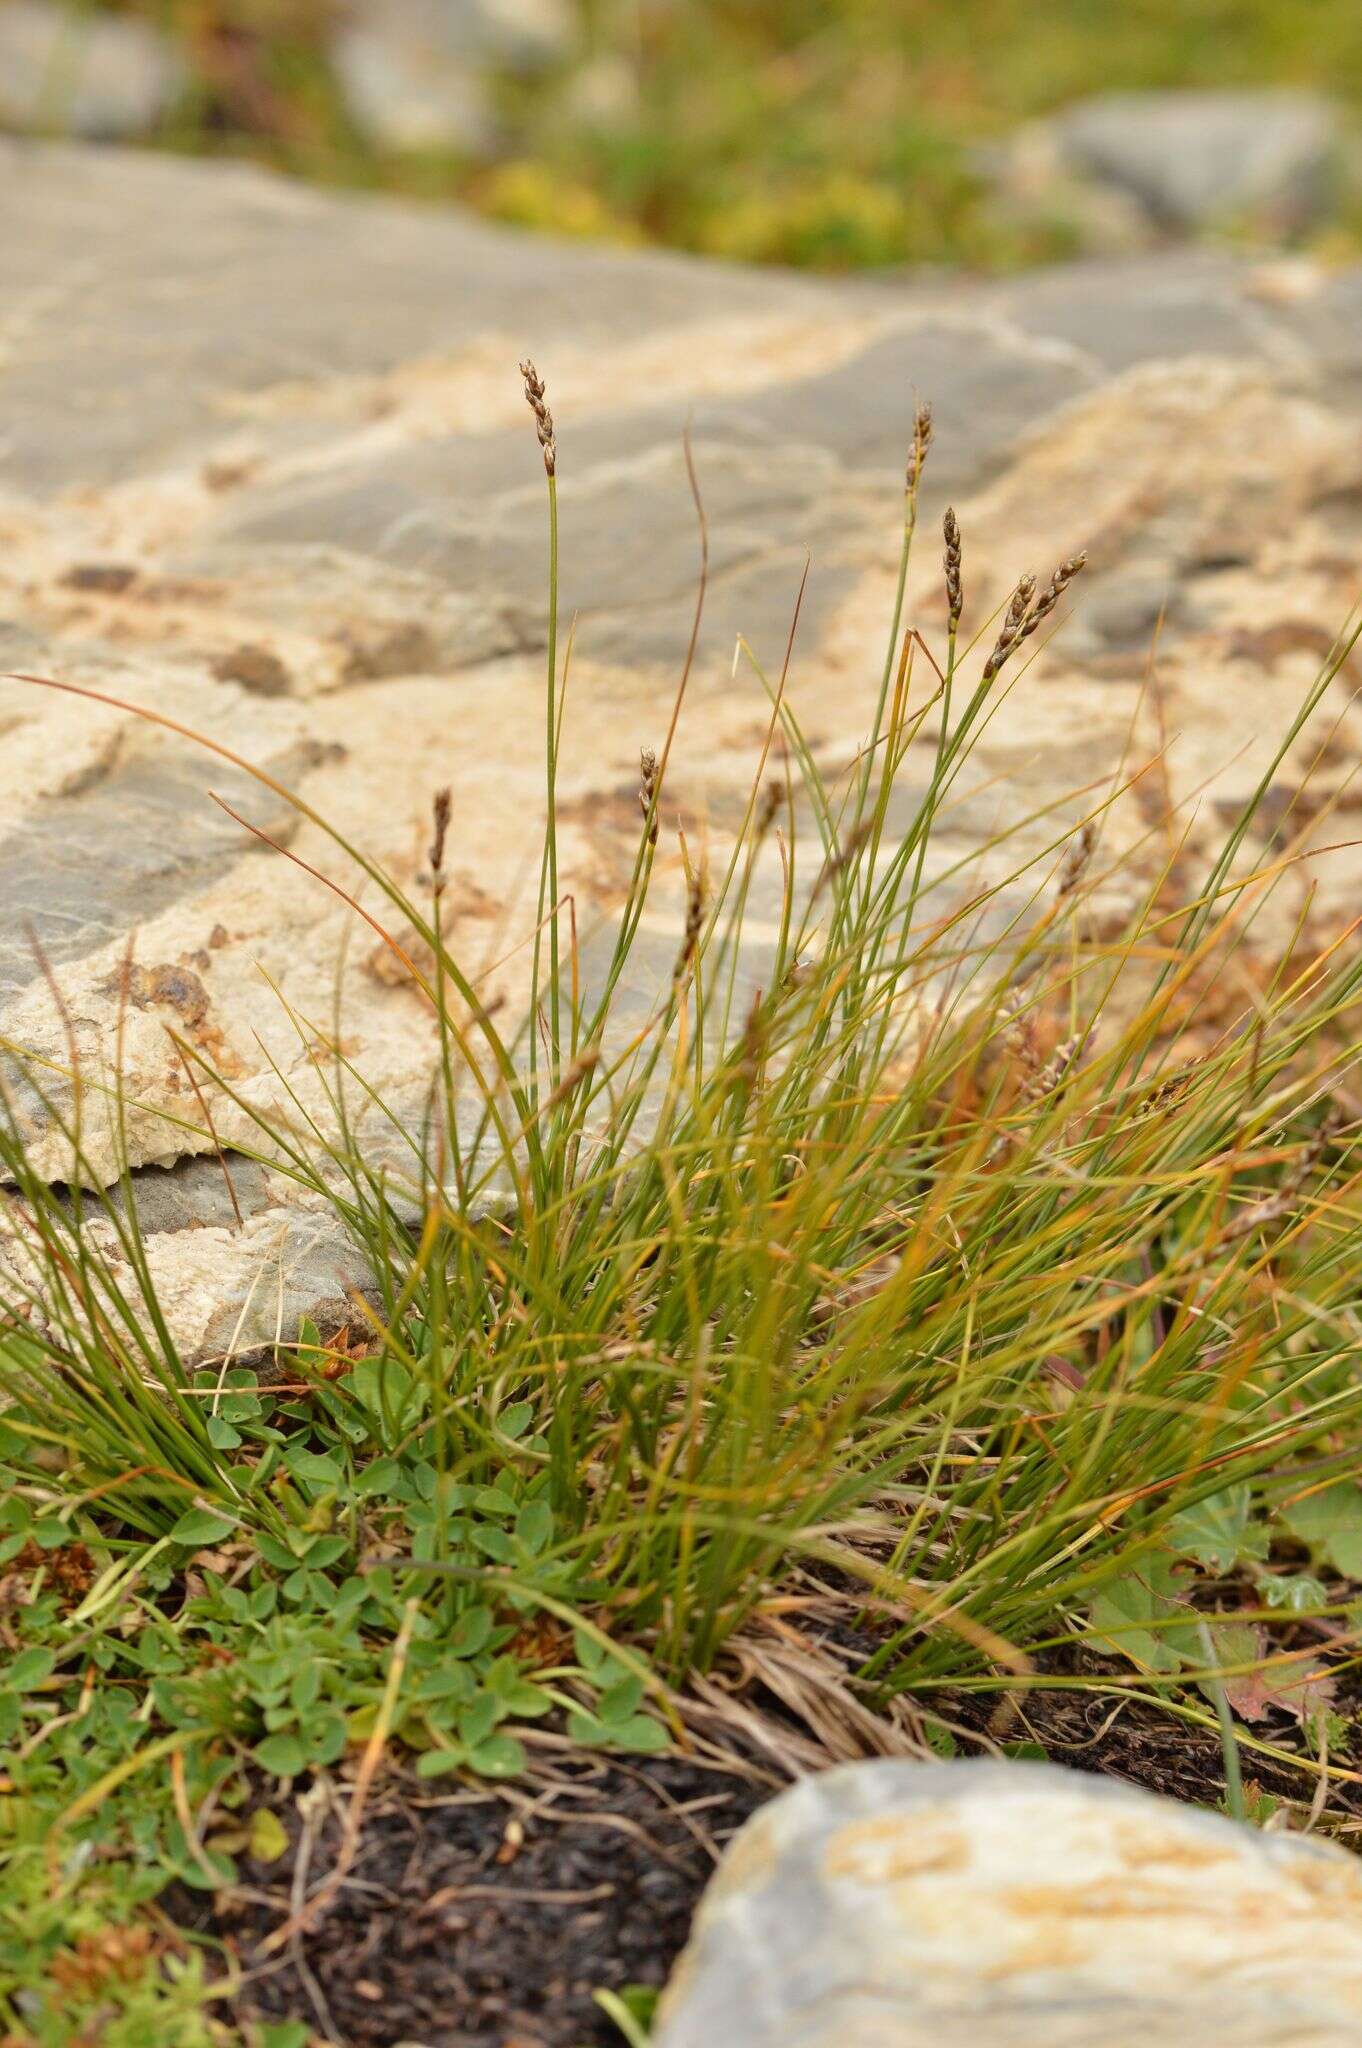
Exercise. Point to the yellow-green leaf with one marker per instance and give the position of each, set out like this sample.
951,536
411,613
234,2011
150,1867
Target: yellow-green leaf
268,1836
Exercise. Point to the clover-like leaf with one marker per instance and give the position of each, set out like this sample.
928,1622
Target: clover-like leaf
534,1526
201,1527
640,1733
31,1668
280,1755
323,1736
500,1756
438,1763
620,1701
1220,1532
267,1838
480,1717
1328,1521
470,1633
1140,1615
515,1420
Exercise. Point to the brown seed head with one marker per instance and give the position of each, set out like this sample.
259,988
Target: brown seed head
955,595
1010,631
1169,1091
695,916
543,418
771,798
1285,1202
647,790
440,810
1055,1071
1077,854
922,441
1021,598
1019,1036
1052,593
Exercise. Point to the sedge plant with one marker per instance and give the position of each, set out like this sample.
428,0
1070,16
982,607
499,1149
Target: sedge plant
927,1268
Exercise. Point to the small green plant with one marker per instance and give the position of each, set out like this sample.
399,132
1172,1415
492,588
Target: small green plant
918,1260
79,1955
631,2010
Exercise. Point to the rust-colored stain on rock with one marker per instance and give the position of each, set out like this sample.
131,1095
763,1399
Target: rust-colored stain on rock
884,1852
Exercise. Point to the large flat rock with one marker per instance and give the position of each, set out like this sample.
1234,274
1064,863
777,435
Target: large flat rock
1002,1905
267,471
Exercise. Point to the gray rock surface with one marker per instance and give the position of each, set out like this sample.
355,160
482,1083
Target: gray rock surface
983,1905
399,98
98,76
268,474
417,74
1190,160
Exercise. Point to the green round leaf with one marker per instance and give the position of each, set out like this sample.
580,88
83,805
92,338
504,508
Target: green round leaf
471,1632
201,1527
642,1734
324,1737
30,1668
268,1837
438,1763
281,1755
501,1756
480,1717
534,1526
621,1701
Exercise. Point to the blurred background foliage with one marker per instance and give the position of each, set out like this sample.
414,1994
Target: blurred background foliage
829,133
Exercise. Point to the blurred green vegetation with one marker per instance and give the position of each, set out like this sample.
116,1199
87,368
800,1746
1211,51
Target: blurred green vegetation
829,133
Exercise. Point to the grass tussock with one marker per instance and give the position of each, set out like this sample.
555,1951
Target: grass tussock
970,1281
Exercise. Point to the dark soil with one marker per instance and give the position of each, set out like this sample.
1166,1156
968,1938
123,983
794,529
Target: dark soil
473,1920
486,1918
1140,1742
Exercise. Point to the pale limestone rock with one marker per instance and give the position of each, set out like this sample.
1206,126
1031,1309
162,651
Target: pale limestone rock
401,97
417,74
1190,160
985,1905
98,76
